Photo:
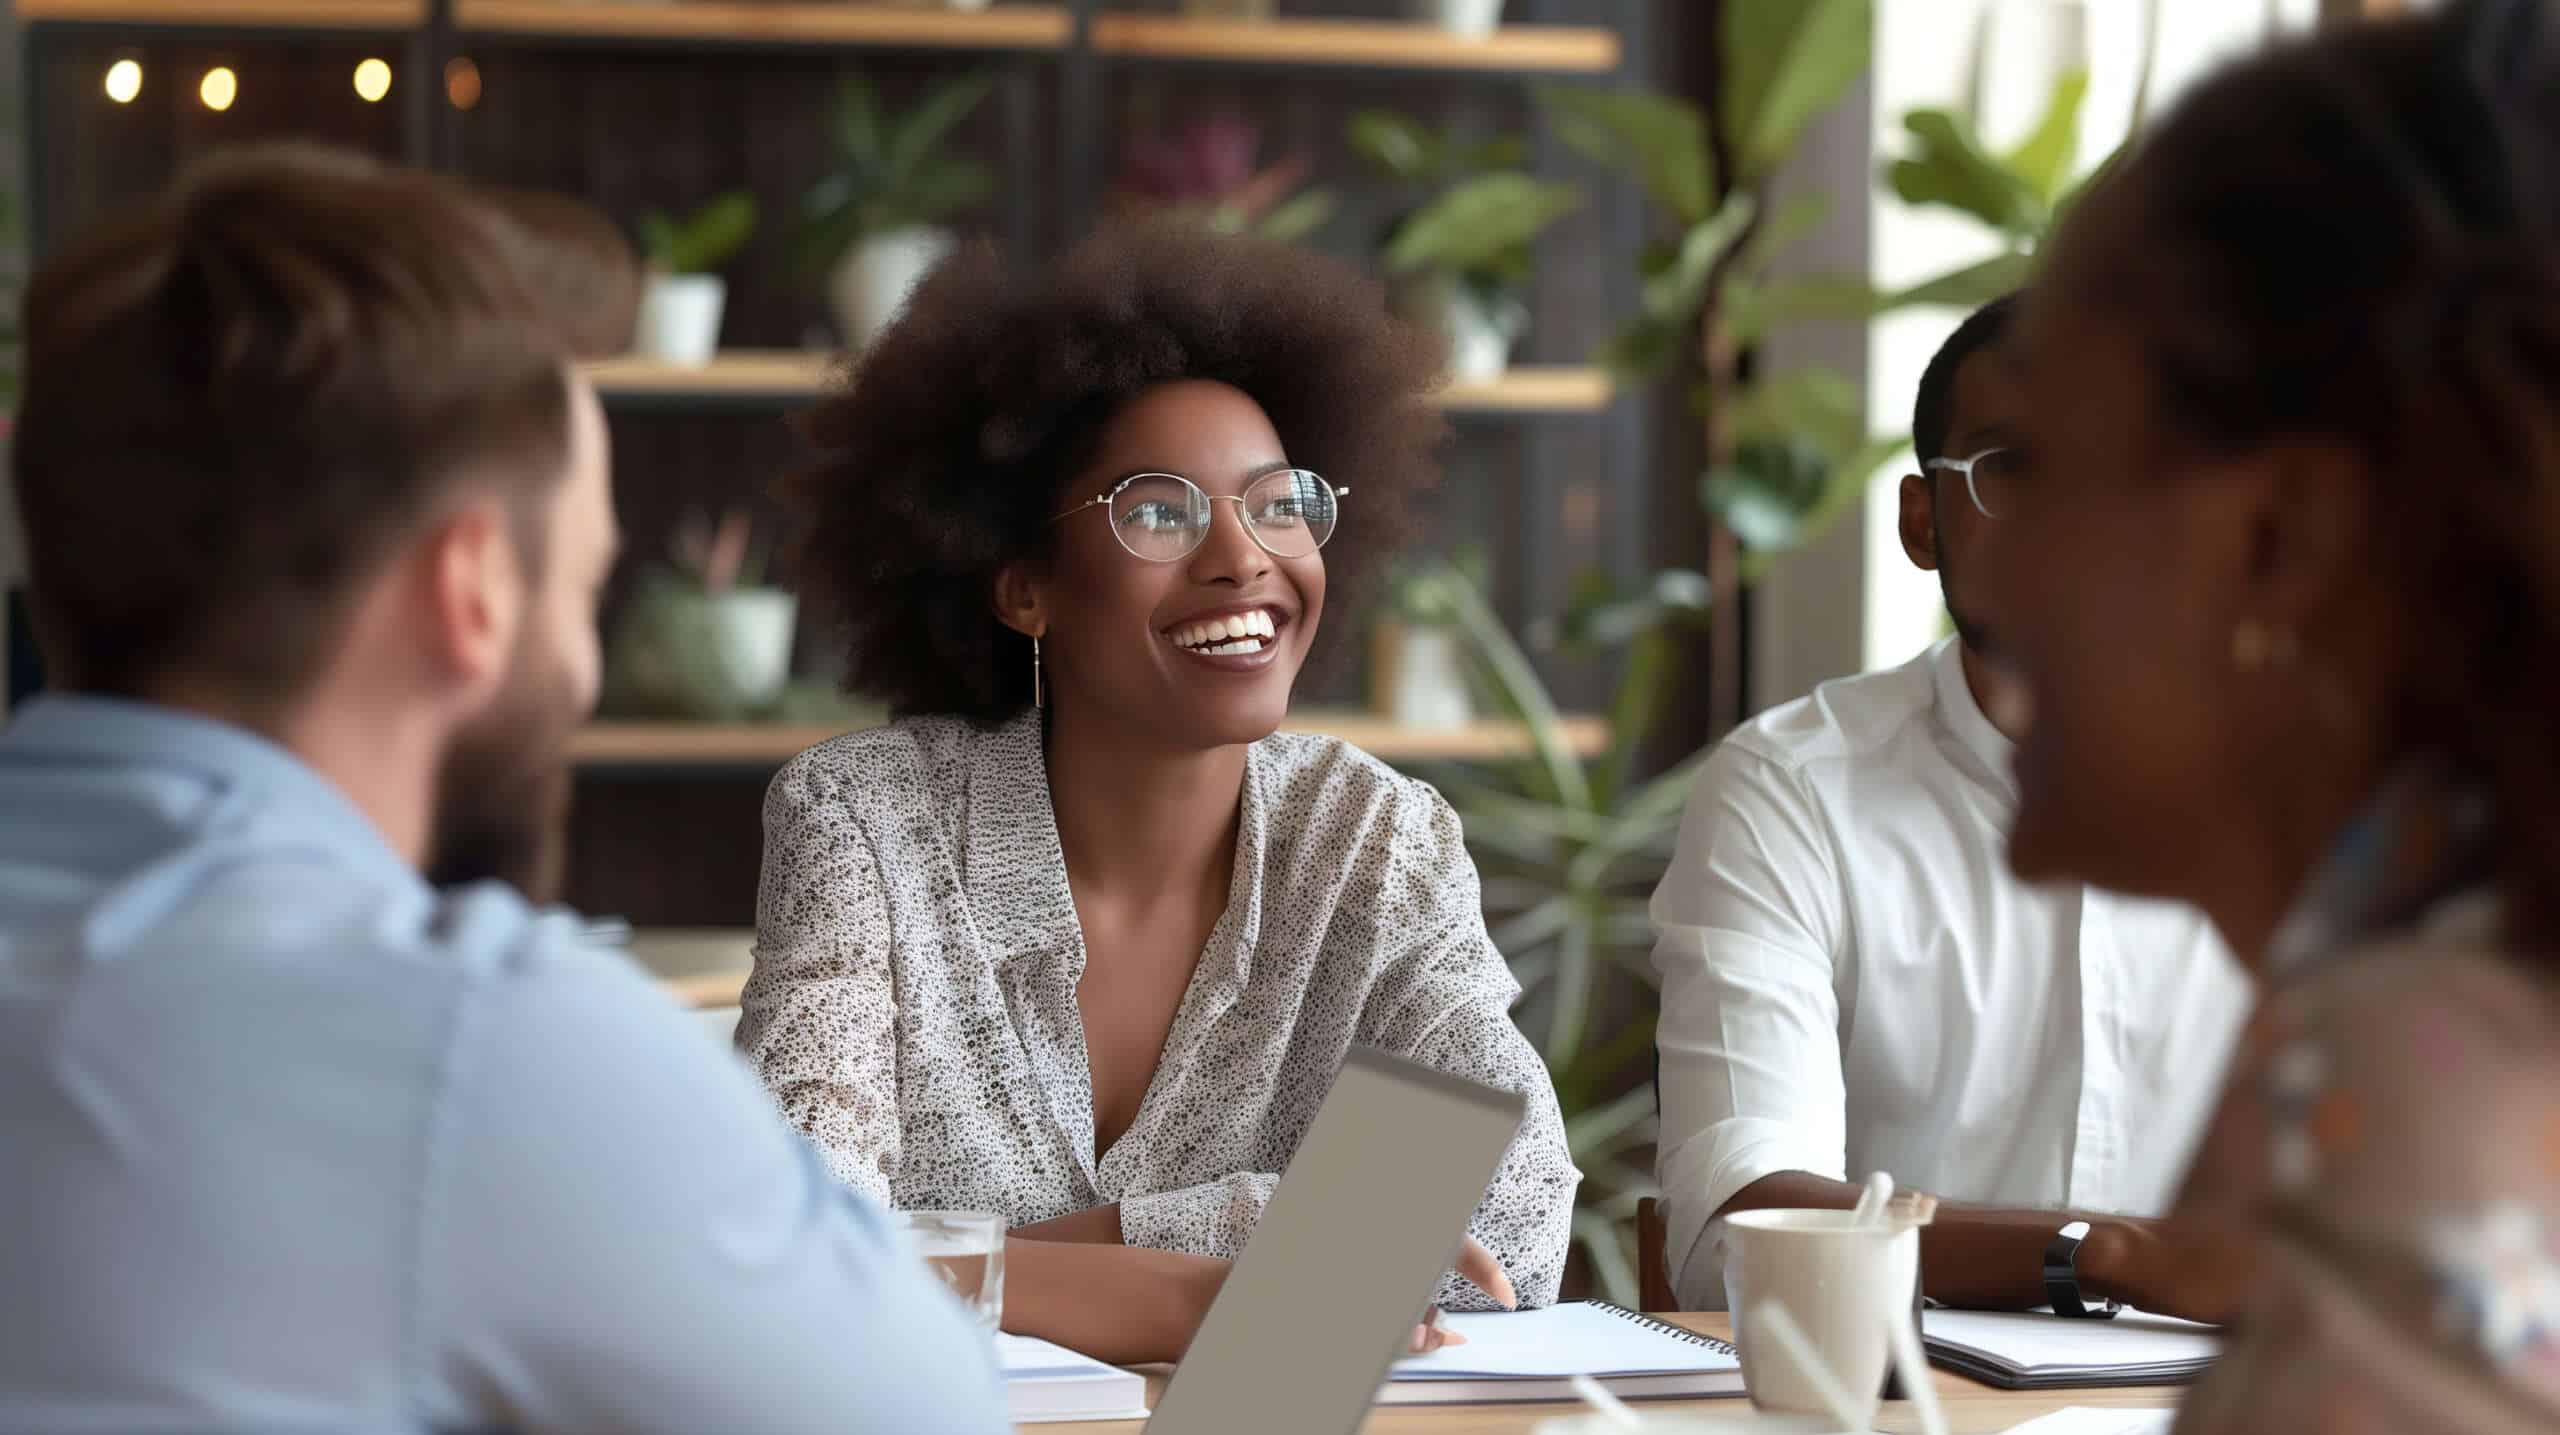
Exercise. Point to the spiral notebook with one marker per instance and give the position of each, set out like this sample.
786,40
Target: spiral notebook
1534,1354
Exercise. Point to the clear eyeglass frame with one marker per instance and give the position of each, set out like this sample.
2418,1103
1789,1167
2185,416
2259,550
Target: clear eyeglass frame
1966,466
1205,502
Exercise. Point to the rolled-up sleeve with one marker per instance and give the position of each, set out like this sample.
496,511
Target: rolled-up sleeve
1749,921
1444,1000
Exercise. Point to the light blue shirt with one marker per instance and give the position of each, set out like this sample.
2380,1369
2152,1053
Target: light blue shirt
289,1140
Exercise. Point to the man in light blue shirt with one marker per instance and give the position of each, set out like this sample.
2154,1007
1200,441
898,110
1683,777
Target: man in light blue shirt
292,1139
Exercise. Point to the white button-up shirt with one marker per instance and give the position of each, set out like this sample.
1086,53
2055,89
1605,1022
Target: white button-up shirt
1853,981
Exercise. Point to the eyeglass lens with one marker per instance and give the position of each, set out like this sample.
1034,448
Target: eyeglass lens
1162,517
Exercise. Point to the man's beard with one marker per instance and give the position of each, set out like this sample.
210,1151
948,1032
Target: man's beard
502,798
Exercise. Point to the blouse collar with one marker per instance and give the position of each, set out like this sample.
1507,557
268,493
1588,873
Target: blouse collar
1025,908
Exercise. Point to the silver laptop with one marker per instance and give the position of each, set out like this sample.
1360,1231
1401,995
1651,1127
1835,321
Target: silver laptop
1350,1249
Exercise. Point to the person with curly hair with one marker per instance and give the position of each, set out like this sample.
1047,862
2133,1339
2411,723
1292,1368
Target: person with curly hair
1081,938
2283,586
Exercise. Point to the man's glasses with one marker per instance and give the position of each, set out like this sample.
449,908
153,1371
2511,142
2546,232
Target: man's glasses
1993,478
1164,517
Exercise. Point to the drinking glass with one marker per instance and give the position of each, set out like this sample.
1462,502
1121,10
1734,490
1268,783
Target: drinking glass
966,1249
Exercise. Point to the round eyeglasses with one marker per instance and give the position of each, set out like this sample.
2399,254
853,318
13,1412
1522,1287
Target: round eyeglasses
1992,478
1164,517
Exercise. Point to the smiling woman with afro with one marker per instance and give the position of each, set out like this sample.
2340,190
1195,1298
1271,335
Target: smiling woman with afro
1082,938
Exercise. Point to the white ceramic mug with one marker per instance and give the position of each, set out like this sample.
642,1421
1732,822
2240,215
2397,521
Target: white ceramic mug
1843,1282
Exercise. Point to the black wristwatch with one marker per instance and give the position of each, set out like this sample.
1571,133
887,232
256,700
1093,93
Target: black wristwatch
2062,1276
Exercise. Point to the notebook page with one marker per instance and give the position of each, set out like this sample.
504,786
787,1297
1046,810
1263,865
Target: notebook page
1564,1340
2032,1341
2085,1420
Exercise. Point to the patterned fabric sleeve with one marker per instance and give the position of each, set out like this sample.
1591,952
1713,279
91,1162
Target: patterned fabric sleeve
1214,1218
1444,999
2393,1136
818,1017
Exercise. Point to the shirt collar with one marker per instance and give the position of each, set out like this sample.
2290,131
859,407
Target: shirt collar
254,785
1021,902
1965,721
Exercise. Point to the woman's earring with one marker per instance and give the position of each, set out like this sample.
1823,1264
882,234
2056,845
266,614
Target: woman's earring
1039,698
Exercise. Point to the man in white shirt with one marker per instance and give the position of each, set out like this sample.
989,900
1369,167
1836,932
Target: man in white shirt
1852,980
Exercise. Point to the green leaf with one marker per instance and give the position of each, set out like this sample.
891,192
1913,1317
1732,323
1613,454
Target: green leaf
1767,490
1298,216
1398,144
1968,288
1514,682
936,193
709,237
2043,160
1472,225
1947,167
934,117
658,239
1816,404
1659,140
1751,309
858,125
1785,62
1788,227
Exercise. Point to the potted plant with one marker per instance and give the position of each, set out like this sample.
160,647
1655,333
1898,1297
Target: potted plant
704,638
1210,171
680,308
873,224
1570,847
1463,254
1418,657
1474,19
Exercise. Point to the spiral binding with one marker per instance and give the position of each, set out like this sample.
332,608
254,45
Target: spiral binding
1664,1327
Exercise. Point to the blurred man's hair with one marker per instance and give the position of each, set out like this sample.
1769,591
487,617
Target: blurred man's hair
239,398
585,268
1935,410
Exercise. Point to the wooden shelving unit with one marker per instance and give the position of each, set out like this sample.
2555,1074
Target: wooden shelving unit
674,744
1003,27
1524,49
234,14
784,377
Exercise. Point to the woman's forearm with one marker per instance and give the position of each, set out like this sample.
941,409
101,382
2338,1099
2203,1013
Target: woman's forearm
1097,1225
1124,1305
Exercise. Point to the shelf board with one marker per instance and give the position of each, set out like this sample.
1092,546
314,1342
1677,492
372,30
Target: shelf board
754,377
239,14
769,745
1003,27
1543,49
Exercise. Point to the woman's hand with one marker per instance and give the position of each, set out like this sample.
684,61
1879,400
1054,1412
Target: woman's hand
1485,1273
1121,1304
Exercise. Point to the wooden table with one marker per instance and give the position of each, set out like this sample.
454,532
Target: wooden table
1971,1409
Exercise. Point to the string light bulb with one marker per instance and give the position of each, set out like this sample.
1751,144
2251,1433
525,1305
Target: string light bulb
219,89
373,80
124,81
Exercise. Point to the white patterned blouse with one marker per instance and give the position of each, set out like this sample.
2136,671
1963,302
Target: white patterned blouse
913,1006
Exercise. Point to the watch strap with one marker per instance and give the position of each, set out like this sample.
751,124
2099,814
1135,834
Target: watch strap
2062,1276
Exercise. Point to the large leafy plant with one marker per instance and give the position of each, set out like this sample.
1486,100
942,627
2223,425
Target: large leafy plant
700,242
892,171
1570,848
1713,285
1477,212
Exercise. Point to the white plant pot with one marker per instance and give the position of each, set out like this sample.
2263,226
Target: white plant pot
1418,677
871,282
680,317
1480,330
1472,18
681,652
